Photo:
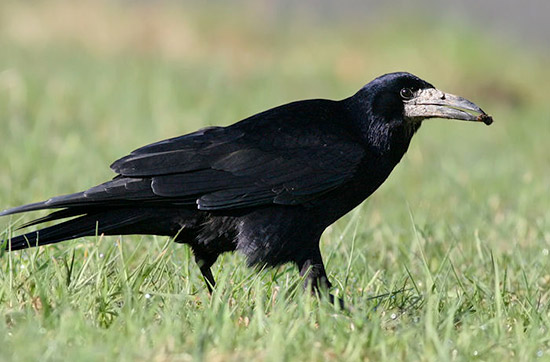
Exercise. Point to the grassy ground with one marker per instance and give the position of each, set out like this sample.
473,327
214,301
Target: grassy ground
449,260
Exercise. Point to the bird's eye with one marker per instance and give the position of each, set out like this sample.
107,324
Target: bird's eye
406,93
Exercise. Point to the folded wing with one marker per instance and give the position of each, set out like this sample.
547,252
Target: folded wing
270,158
222,168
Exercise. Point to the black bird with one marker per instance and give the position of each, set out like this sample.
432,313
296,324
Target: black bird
267,186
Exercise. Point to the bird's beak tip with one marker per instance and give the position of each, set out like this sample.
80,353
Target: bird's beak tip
485,118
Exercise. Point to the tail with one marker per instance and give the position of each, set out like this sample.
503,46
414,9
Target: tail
53,203
118,207
108,222
118,192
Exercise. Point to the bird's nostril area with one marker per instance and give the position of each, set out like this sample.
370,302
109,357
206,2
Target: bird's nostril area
443,96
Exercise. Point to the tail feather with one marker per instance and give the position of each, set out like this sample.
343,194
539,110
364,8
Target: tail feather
117,192
57,202
108,222
57,215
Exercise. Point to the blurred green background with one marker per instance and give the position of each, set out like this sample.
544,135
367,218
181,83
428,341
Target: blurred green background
83,83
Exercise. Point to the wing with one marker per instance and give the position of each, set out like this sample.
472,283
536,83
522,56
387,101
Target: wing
288,155
274,160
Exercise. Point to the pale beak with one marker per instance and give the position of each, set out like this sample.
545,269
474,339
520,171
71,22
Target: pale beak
433,103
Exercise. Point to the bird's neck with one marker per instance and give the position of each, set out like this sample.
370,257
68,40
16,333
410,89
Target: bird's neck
397,141
384,138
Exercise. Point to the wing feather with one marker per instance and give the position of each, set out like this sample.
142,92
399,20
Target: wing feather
269,158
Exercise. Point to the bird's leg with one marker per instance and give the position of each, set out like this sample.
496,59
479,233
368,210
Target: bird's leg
316,277
208,277
205,261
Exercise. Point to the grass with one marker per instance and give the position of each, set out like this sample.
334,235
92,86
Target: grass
449,260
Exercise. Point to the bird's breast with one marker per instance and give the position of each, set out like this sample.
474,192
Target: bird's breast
368,177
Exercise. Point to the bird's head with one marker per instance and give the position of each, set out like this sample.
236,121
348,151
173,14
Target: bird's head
395,105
